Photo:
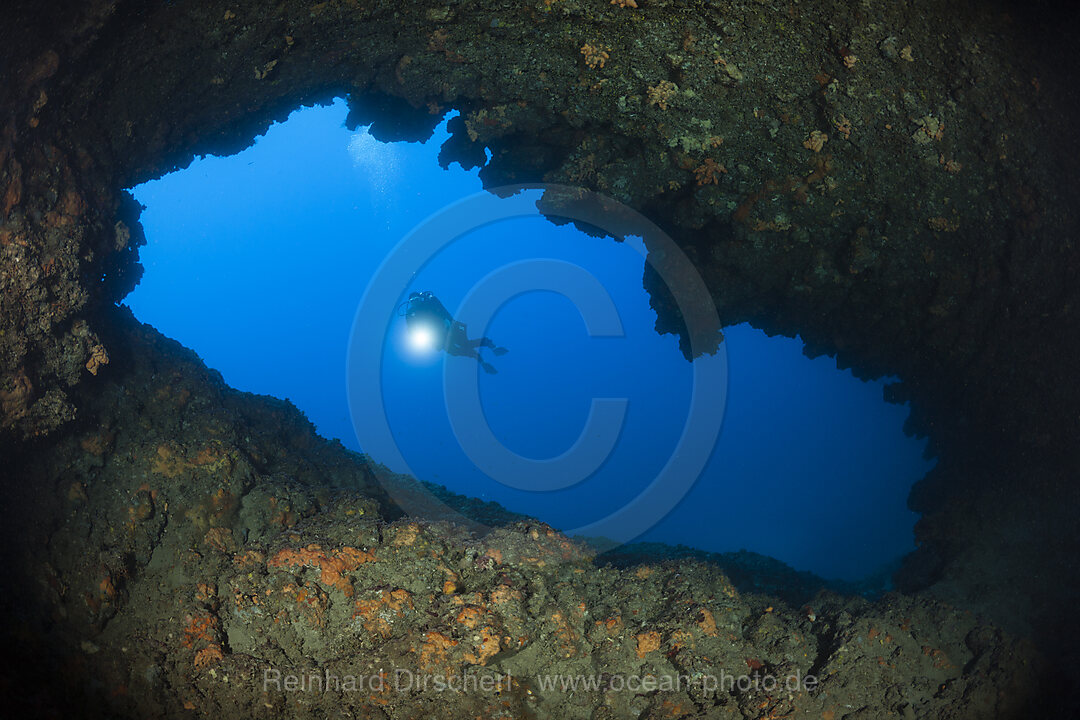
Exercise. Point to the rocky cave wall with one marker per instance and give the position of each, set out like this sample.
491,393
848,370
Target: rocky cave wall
894,182
180,539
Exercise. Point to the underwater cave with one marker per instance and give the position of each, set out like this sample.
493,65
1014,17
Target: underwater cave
889,190
809,468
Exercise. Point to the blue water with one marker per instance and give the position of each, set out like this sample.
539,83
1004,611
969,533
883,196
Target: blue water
258,261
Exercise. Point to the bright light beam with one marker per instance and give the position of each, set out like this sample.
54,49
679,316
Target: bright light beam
422,339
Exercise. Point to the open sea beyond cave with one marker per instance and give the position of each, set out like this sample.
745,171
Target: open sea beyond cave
258,261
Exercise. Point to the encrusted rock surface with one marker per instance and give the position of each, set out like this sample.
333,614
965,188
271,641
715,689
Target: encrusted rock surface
894,182
195,545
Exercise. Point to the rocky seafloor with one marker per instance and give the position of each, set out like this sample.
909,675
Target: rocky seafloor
201,544
897,183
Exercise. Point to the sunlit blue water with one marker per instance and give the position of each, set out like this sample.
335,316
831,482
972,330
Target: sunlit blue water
258,262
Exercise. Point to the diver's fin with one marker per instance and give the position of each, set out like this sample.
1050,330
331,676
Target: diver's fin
499,350
488,368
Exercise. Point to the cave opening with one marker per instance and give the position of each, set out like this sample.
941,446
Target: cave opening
258,260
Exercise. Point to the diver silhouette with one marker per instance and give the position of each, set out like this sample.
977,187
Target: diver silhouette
424,312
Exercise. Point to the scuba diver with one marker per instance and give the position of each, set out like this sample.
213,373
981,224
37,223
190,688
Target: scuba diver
425,314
